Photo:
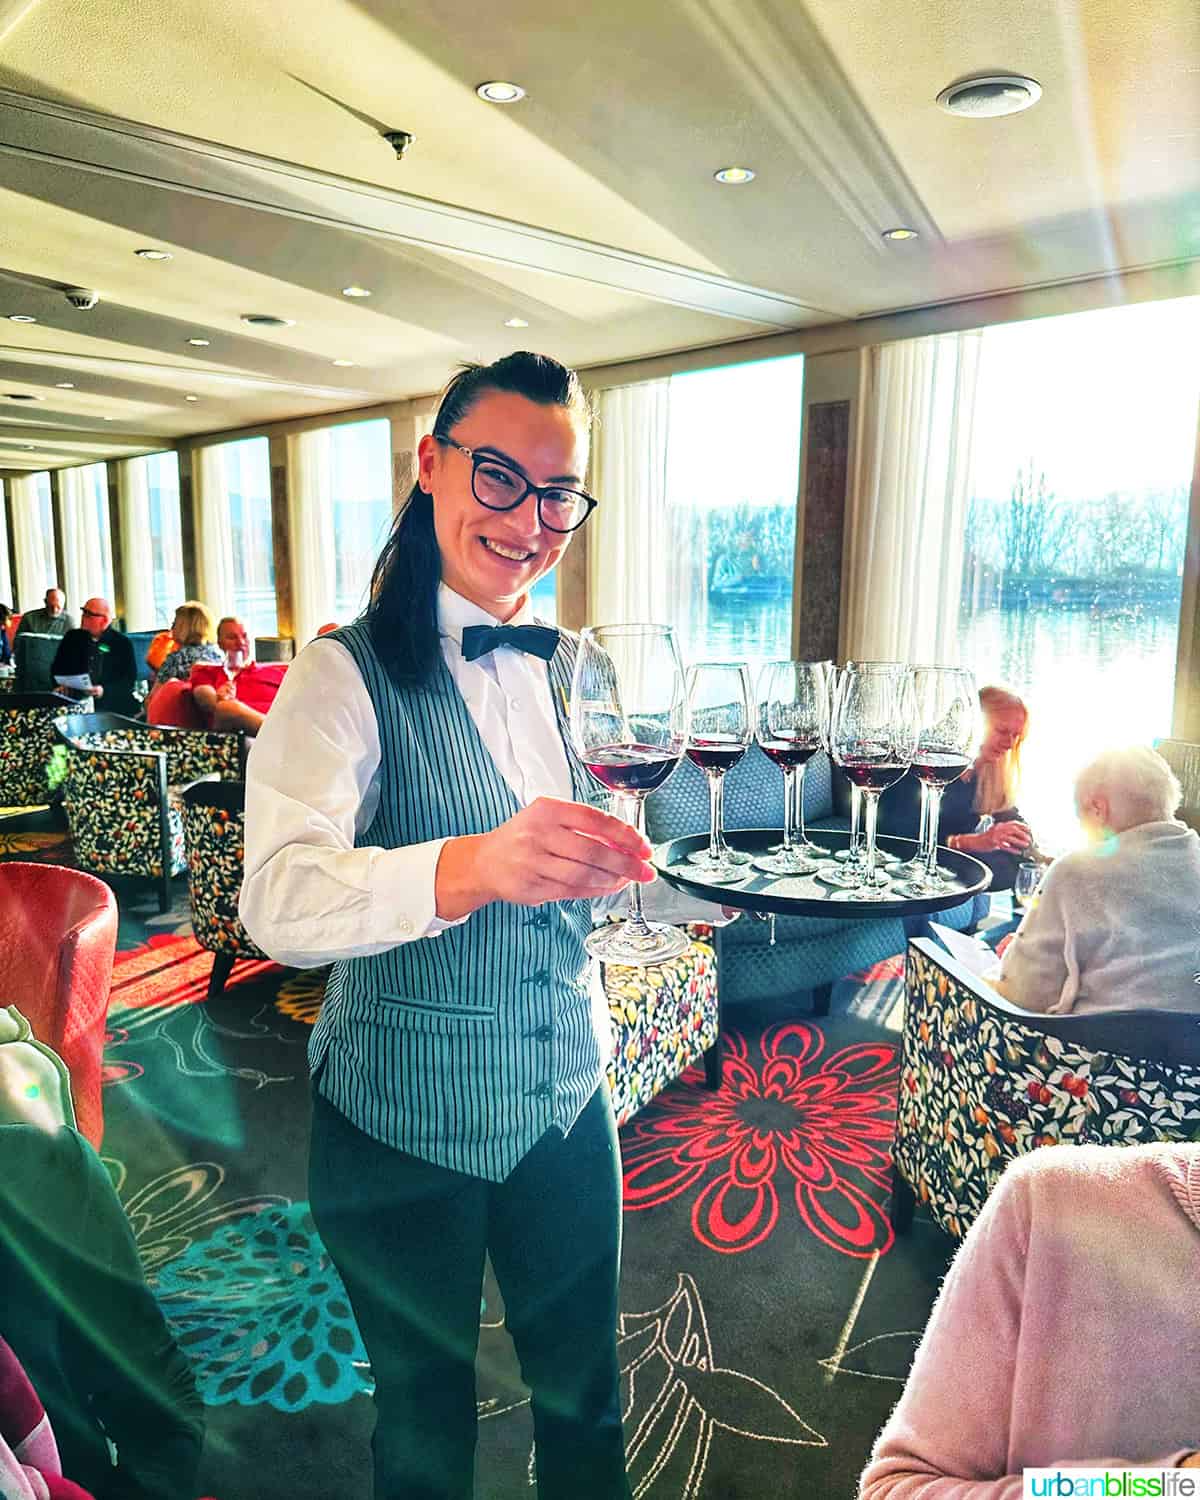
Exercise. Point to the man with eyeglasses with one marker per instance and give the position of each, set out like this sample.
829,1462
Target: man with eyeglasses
105,655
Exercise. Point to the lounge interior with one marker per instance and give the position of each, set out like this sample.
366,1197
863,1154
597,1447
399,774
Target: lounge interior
889,317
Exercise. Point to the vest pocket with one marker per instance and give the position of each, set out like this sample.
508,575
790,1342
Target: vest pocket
418,1014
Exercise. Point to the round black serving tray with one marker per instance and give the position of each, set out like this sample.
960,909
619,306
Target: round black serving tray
805,895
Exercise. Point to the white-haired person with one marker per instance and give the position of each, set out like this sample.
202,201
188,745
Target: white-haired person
1117,924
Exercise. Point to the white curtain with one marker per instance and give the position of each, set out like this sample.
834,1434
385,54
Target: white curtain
908,502
627,545
6,580
87,549
33,541
214,531
310,525
137,546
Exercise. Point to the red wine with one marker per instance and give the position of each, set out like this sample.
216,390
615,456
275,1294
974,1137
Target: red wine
873,775
790,752
939,767
715,752
630,770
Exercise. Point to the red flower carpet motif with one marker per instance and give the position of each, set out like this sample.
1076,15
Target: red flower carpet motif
794,1122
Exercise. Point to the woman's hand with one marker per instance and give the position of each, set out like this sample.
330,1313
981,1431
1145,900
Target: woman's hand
550,851
1010,838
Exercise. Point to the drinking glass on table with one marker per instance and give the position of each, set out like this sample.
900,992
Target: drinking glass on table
1026,883
721,728
946,706
873,737
629,727
793,724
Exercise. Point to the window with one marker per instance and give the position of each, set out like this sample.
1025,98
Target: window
32,516
248,492
1073,560
543,598
361,482
87,538
166,545
733,455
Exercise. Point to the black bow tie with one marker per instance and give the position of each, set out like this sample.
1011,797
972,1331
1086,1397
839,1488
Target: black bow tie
536,640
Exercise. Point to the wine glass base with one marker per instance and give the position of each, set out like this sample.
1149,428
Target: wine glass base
791,863
704,859
832,874
917,888
860,893
619,944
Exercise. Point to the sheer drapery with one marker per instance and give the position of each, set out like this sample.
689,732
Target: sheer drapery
214,530
86,544
310,522
33,540
137,548
7,595
908,501
627,551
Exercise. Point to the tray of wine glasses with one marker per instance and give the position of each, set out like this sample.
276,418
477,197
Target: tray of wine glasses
810,895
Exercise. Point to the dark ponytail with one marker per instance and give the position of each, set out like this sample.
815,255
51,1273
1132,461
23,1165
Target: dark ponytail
402,613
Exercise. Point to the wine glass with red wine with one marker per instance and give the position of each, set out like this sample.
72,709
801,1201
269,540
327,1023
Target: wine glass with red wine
873,738
947,708
722,726
793,724
629,727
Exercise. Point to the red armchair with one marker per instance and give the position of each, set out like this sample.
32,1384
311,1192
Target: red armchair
58,934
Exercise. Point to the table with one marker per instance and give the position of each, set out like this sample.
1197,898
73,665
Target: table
805,895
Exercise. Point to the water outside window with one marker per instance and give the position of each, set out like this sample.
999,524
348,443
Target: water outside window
1085,431
360,465
248,484
733,457
166,543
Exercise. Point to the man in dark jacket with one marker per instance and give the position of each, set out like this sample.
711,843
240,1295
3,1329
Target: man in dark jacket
104,654
79,1316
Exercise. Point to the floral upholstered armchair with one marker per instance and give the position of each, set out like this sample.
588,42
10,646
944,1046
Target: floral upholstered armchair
121,789
26,744
214,820
982,1082
664,1018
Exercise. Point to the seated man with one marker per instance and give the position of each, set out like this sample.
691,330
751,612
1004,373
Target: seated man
237,694
105,655
1115,924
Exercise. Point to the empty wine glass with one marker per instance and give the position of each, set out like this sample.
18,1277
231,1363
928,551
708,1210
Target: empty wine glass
234,661
946,706
629,727
793,724
721,727
873,737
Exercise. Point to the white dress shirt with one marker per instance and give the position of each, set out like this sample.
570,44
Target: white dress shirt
308,895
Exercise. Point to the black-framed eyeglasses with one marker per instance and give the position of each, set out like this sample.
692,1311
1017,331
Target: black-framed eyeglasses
498,486
94,614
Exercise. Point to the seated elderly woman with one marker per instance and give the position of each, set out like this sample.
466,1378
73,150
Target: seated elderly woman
1117,924
1065,1334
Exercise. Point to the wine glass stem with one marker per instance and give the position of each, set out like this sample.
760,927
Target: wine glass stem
789,776
798,820
717,848
855,819
636,920
934,797
922,846
872,801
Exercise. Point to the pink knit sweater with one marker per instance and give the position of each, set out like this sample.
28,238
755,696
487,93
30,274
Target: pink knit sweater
1067,1332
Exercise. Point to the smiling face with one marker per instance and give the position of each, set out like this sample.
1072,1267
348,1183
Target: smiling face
1003,729
493,558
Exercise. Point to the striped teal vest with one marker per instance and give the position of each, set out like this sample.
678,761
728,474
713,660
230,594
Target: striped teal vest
464,1048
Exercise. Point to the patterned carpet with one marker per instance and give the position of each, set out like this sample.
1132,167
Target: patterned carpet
768,1316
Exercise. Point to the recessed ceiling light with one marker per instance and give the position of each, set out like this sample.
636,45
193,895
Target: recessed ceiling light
28,445
901,232
65,385
21,318
734,176
356,291
516,323
153,254
344,364
267,320
200,343
498,91
191,398
990,95
110,419
20,396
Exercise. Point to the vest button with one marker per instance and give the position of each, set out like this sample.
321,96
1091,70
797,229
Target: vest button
542,1091
544,1034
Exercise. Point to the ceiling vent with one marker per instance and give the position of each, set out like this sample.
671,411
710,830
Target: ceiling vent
996,94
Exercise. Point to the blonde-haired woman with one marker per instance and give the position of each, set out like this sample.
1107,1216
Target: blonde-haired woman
195,641
979,812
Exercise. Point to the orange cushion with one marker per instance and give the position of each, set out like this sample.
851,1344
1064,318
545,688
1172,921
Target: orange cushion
171,703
